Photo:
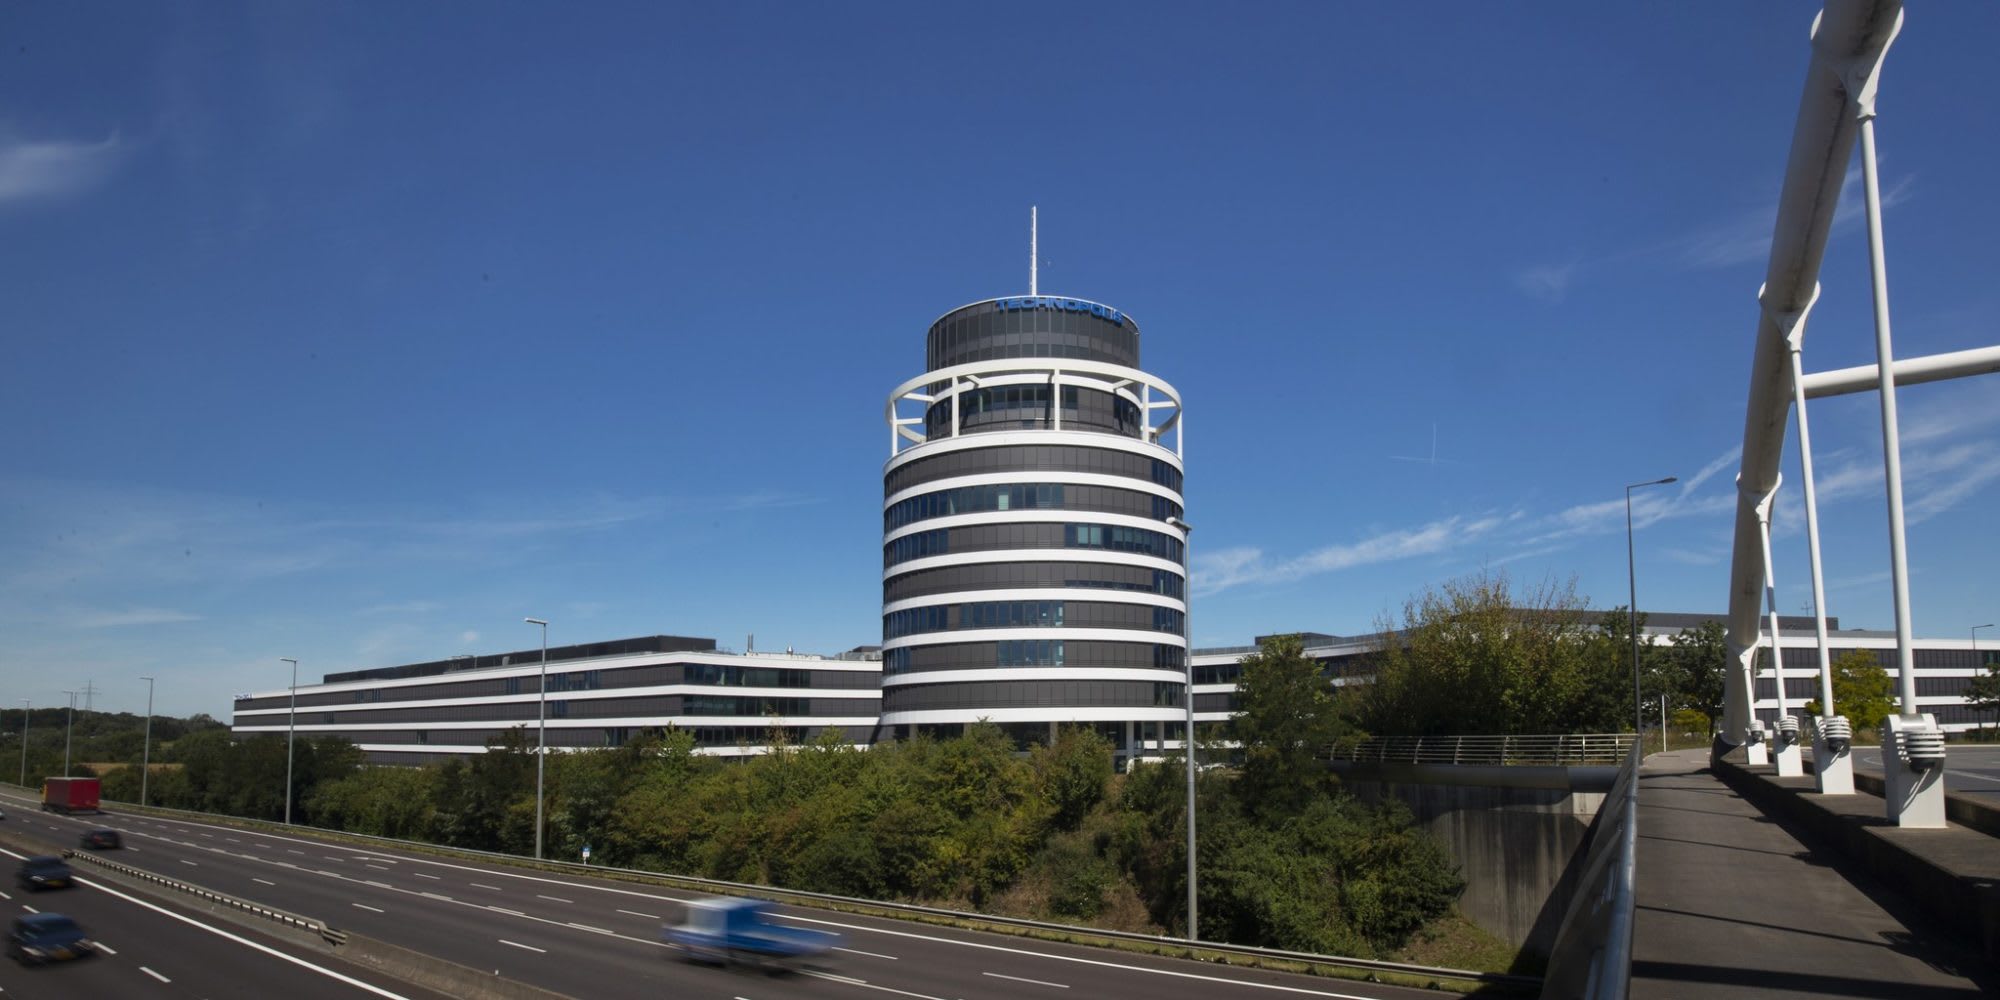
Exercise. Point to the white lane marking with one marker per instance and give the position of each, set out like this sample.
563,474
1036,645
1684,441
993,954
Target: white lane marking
514,913
378,885
860,928
422,875
365,906
155,975
593,930
1054,957
191,864
636,913
482,885
434,895
134,850
232,840
865,984
209,836
264,880
5,896
870,954
330,857
557,899
30,909
219,932
290,851
107,949
1018,979
529,947
380,868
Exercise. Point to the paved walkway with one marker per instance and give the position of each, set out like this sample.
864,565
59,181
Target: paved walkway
1732,903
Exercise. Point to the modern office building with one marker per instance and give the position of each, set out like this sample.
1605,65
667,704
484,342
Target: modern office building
1033,548
599,694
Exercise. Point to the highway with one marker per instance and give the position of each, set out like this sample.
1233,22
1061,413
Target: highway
589,937
150,949
1973,768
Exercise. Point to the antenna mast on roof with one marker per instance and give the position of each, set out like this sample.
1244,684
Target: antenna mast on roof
1033,260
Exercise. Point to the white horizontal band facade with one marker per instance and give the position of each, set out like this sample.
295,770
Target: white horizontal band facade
556,668
625,722
1058,715
1099,594
742,750
998,439
1032,555
1064,634
595,694
1037,477
1035,515
975,674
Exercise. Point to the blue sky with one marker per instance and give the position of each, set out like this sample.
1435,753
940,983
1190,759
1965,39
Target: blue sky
356,333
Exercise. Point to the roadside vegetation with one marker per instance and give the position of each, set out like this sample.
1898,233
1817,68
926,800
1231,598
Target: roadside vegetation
1288,860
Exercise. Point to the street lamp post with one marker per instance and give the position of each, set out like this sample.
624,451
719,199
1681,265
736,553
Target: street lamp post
291,734
146,760
69,730
1975,660
26,708
1632,610
541,731
1187,660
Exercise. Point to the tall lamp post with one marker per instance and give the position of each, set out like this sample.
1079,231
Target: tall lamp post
146,761
1975,665
26,708
1187,660
69,730
291,734
541,731
1632,609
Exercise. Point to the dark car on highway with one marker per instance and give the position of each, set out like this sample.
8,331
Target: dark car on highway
48,937
102,840
48,872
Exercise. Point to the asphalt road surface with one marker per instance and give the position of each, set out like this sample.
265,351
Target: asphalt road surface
1973,768
590,937
148,948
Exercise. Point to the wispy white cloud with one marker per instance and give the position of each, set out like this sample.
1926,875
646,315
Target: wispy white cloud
1548,282
402,608
125,618
31,170
1232,567
1747,236
1936,479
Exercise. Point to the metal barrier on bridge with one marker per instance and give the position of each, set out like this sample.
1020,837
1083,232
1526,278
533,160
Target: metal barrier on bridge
1574,749
1592,956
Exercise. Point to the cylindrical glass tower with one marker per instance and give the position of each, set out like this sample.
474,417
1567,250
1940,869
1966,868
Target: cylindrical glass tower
1034,553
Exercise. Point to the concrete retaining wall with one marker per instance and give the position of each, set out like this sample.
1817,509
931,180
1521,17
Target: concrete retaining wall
1516,834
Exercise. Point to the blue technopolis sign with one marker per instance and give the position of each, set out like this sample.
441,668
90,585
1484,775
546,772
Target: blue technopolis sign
1066,305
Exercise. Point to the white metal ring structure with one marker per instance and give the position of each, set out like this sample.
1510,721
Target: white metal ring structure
1034,559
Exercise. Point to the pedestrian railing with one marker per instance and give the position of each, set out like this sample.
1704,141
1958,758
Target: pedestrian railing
1575,749
1591,958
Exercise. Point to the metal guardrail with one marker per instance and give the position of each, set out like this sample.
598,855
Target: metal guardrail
291,920
1573,749
1526,984
1591,958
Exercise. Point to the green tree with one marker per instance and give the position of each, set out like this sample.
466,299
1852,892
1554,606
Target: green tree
1982,693
1072,773
1862,690
1697,658
1474,657
1286,718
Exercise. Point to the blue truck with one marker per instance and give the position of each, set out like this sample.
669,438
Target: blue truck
740,930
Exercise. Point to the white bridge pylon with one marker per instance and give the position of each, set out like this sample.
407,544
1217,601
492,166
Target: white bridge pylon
1850,39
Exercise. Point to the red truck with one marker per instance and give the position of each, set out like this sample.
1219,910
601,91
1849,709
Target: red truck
70,795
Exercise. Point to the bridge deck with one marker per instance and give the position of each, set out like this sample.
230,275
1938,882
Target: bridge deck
1733,903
